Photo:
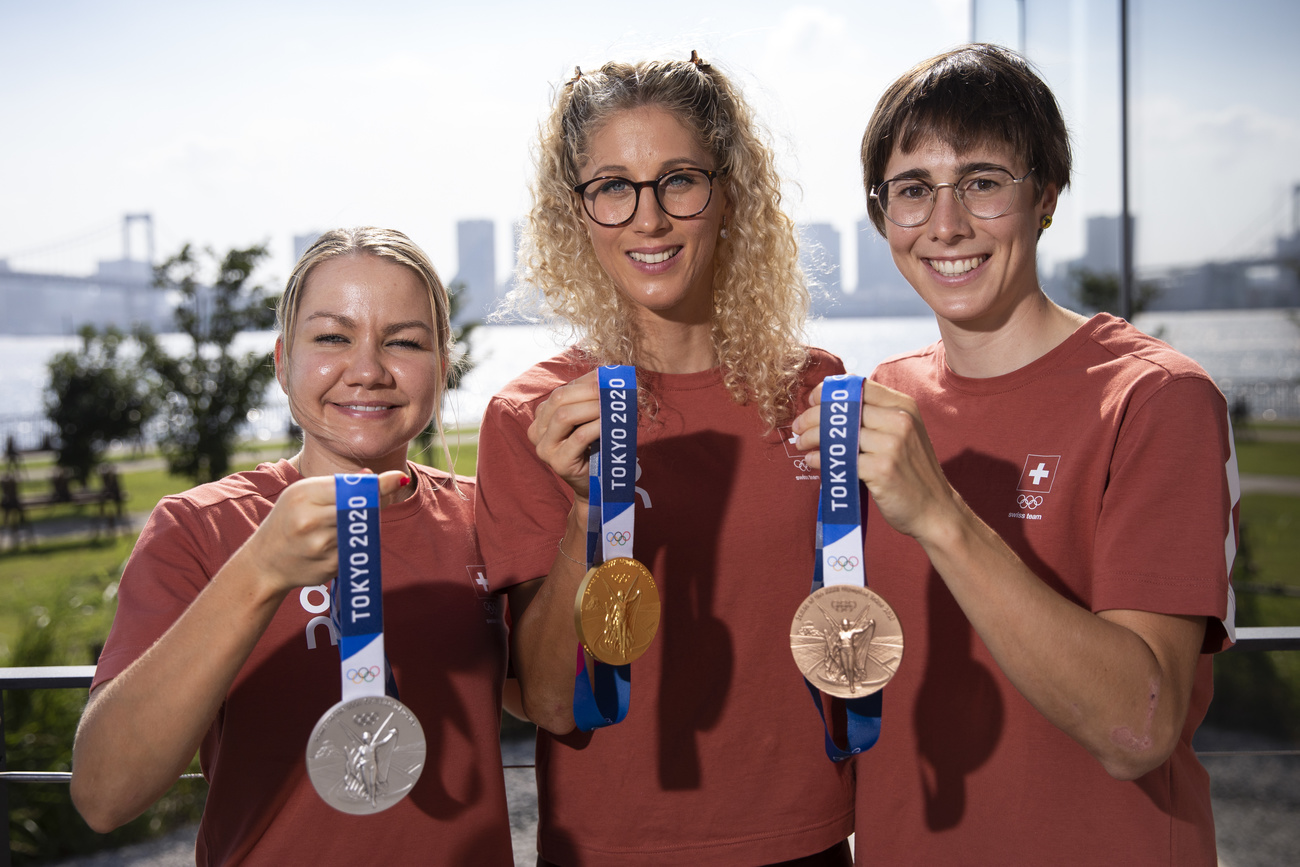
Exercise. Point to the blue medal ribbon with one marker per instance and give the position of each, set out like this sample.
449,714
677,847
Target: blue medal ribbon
839,541
358,607
602,696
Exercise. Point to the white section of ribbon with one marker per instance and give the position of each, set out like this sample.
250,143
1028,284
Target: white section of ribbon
358,671
842,560
618,529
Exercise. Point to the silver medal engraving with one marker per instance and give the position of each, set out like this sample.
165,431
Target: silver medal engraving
365,754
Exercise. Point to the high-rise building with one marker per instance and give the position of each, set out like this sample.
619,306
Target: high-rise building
476,258
882,290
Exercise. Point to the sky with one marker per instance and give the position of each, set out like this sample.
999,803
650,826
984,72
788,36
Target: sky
236,123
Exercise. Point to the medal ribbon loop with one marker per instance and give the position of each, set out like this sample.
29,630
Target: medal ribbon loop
602,696
840,557
358,607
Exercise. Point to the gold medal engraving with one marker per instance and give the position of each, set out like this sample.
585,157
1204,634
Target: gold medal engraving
616,611
846,640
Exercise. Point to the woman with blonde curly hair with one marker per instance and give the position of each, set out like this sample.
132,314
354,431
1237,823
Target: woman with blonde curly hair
657,236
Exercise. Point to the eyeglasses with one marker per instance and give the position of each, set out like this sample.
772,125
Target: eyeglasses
985,194
681,193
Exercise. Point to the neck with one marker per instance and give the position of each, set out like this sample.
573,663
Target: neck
310,462
1028,333
676,347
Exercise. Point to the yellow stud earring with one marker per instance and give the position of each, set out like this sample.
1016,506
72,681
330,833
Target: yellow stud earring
1045,222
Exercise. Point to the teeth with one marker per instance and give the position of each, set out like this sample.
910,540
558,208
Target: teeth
365,408
954,268
654,258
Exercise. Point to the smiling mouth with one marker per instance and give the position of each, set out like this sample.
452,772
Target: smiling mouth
360,408
956,267
654,258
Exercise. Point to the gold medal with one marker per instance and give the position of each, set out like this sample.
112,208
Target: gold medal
616,611
846,640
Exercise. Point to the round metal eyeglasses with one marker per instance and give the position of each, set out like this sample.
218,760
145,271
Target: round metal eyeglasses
985,194
612,201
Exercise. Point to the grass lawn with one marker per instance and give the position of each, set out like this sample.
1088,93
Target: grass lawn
1268,458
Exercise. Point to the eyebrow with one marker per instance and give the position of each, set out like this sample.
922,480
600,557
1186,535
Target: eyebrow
349,322
664,167
962,170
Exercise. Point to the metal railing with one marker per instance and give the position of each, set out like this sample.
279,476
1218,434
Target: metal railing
1260,638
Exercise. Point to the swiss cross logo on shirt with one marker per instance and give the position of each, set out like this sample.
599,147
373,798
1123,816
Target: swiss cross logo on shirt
478,575
1039,473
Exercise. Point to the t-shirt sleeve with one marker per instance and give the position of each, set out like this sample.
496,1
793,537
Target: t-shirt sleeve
164,574
520,505
1167,532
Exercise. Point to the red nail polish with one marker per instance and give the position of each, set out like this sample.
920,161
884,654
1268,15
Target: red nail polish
406,480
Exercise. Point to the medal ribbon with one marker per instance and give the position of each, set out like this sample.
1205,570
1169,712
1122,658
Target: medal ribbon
601,697
358,608
839,540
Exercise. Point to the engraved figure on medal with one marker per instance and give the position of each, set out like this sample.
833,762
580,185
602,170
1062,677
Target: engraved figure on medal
366,754
617,610
846,640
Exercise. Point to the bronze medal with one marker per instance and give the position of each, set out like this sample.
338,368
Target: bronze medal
616,611
846,640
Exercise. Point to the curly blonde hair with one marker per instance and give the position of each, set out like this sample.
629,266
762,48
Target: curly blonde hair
760,296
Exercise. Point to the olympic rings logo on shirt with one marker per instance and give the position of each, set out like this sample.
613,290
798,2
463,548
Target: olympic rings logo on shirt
1029,501
842,564
619,538
363,675
801,465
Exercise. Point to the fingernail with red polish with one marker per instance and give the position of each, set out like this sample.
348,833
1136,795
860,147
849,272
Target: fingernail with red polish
406,480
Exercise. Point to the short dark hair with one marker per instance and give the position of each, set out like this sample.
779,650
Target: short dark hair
973,95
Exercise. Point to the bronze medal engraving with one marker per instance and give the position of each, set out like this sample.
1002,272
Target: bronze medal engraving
365,754
616,611
846,640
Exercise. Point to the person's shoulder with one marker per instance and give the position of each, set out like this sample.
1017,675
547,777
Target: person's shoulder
437,479
266,482
1127,344
822,363
907,366
538,381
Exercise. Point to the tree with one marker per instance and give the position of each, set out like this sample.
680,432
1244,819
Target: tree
1100,291
206,394
93,398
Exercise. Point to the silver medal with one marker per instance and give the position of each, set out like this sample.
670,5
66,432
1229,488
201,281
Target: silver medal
365,754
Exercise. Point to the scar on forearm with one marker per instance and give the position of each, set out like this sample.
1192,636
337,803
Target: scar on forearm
1124,737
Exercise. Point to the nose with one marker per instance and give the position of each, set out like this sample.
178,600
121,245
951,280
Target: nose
649,217
367,367
949,221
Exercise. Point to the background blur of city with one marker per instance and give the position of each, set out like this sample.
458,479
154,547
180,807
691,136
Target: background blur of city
133,135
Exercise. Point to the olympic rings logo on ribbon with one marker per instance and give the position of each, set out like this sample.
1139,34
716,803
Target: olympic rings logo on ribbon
842,564
619,538
1029,501
363,675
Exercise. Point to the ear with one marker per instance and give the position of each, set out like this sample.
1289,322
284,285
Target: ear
281,375
1047,201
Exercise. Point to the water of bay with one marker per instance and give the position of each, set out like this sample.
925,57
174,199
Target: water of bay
1249,351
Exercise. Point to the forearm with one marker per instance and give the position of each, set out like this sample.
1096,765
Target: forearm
141,729
1118,683
545,643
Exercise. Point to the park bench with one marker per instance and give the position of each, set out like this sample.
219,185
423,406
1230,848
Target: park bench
15,505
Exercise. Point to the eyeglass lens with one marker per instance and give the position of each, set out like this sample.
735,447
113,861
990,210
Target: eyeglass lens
985,194
682,193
